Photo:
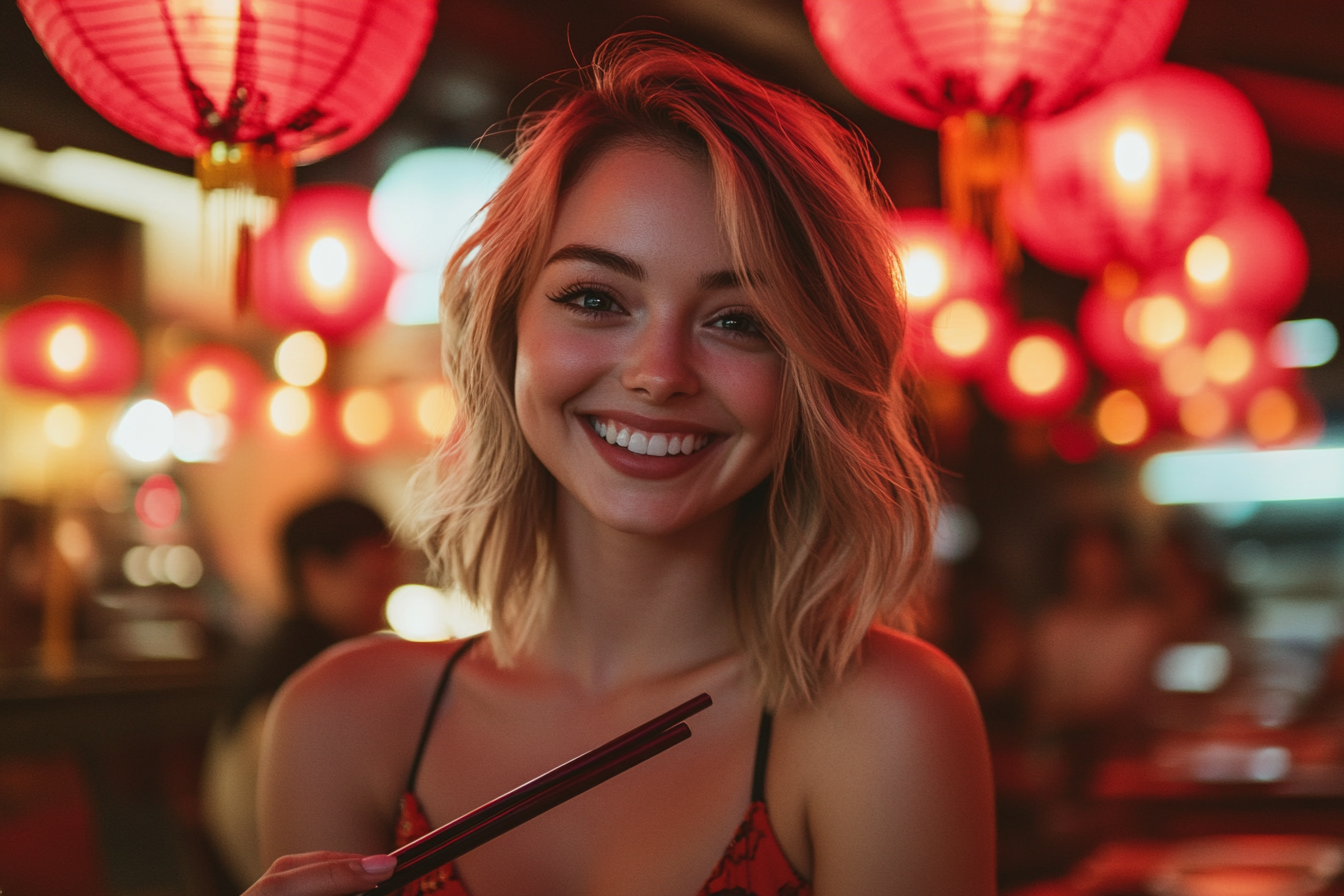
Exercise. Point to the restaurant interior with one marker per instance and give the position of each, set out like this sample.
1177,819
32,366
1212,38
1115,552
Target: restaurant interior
1122,236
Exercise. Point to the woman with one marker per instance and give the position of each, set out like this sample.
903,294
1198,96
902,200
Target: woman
682,464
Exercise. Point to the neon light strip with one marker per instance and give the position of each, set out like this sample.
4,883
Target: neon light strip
1227,476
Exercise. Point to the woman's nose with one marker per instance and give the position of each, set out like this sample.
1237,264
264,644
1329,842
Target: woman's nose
660,366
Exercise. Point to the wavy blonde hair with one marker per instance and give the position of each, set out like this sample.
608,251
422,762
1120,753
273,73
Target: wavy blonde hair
839,533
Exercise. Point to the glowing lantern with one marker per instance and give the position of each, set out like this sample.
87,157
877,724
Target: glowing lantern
974,68
1131,334
422,209
1042,374
923,60
940,262
158,502
1139,172
1253,259
318,268
964,338
244,86
213,379
68,346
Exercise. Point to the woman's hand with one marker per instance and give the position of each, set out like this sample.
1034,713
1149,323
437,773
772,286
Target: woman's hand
322,874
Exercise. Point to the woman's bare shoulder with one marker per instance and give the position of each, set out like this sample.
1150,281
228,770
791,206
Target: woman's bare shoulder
339,742
896,775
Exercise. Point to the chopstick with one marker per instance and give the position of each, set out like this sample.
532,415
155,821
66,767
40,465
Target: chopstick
457,837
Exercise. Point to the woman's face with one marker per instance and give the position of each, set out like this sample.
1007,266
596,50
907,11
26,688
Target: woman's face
643,382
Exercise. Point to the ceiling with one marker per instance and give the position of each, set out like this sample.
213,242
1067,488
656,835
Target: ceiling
486,57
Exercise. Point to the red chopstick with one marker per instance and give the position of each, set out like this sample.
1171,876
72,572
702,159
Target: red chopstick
457,837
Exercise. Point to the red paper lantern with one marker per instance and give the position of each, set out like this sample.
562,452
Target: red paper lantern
1138,172
72,347
1127,336
964,338
238,83
1253,260
941,262
319,268
923,60
1041,374
213,379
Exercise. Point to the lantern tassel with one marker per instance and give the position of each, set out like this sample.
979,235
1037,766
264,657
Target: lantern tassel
980,155
244,184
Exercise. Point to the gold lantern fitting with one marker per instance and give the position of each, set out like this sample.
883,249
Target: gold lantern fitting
259,169
244,184
980,155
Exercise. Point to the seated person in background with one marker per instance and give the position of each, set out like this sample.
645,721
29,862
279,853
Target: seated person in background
340,564
1091,651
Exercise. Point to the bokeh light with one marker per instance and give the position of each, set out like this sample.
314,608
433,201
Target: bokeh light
1208,260
290,410
145,431
366,417
1037,364
301,358
434,410
1122,418
1205,416
158,503
1272,416
1228,357
422,613
63,425
69,348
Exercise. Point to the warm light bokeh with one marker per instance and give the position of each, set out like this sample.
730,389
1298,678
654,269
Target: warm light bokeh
301,358
1122,418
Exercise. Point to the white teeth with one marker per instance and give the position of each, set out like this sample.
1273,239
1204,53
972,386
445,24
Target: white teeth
656,444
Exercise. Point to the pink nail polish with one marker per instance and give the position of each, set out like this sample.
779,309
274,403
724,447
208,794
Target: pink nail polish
377,864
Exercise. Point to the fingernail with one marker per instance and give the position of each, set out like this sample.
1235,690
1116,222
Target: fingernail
378,864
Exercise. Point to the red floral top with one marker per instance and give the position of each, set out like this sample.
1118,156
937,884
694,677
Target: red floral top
752,865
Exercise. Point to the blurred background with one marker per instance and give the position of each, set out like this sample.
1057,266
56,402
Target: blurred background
1125,278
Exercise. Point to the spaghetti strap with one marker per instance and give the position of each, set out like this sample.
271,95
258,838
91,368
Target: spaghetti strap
434,708
762,756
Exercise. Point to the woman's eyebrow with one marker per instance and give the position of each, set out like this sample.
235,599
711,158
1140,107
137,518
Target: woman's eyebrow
628,267
604,257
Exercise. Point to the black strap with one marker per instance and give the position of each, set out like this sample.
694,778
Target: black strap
762,757
434,709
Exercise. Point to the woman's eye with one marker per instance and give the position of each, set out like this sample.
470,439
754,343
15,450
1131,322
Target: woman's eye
586,299
738,323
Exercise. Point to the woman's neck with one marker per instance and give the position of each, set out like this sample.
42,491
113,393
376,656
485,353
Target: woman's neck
631,607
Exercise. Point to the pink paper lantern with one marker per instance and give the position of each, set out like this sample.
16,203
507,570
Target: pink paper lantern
941,262
1251,260
1138,172
1041,374
302,78
923,60
319,268
71,347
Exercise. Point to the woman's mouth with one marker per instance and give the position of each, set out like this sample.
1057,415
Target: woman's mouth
655,444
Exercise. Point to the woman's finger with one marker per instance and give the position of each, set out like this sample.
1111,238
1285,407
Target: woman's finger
322,874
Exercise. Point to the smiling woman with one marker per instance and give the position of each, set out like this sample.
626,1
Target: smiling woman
682,463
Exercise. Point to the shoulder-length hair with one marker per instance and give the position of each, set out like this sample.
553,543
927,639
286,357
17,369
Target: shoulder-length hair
838,534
